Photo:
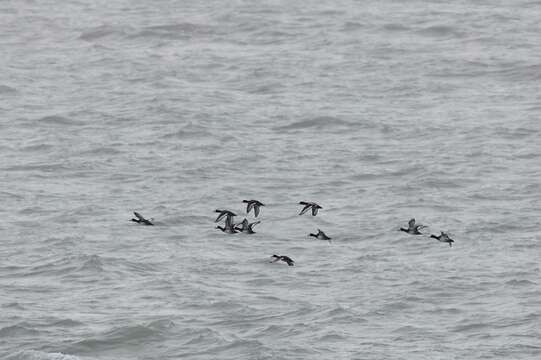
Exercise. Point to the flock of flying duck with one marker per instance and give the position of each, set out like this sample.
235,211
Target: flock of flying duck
414,228
245,226
230,227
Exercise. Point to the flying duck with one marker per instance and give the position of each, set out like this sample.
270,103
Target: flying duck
141,220
253,204
283,258
321,235
412,228
444,238
307,205
229,227
246,226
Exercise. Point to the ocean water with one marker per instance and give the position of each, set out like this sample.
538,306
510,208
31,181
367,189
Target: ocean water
380,111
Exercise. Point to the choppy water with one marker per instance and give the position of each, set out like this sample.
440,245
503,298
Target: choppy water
380,111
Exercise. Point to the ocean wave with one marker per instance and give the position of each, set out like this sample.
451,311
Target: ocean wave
519,72
129,335
13,305
199,337
40,355
318,123
58,120
64,241
6,90
46,168
66,323
467,327
100,32
519,283
439,182
101,150
188,131
81,266
92,264
352,26
38,147
19,330
393,27
182,31
440,31
11,195
518,133
238,348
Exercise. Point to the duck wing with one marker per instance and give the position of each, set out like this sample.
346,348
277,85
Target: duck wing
139,216
221,216
305,209
229,222
250,226
242,225
224,213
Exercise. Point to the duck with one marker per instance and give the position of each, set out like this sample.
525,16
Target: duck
320,235
413,229
227,230
283,258
246,226
443,237
253,204
223,213
229,227
309,205
141,220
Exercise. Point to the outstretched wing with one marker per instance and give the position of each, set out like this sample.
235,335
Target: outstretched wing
221,216
249,207
139,216
314,210
253,224
256,210
229,222
305,209
242,225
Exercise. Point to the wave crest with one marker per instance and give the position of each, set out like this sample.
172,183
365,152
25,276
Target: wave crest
320,122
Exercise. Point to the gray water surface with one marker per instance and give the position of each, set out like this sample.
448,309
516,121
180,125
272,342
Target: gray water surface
379,111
